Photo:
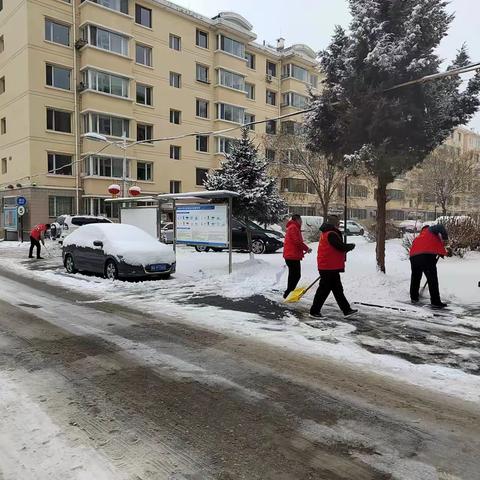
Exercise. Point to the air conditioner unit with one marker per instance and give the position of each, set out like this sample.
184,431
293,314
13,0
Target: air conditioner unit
80,43
269,78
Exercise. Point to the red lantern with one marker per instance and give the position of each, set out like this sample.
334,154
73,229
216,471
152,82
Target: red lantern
134,191
114,189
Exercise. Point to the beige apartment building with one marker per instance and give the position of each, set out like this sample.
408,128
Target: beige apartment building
129,70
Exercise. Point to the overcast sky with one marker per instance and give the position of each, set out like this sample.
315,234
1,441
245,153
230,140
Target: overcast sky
312,22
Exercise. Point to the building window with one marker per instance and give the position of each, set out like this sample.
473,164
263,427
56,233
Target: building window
202,73
143,55
58,77
271,98
110,167
202,108
57,32
106,125
270,155
357,213
106,40
118,5
294,71
231,80
230,113
144,94
201,39
250,58
106,83
2,85
98,207
60,206
144,171
175,152
295,185
250,89
393,194
271,127
2,44
59,164
59,121
4,166
175,42
271,69
201,176
175,116
175,186
224,145
175,80
144,132
231,46
249,118
201,143
293,99
3,126
314,83
143,16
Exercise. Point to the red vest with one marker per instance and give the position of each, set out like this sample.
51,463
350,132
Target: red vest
328,257
293,246
37,231
427,242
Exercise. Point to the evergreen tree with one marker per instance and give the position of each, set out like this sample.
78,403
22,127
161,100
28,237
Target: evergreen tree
357,117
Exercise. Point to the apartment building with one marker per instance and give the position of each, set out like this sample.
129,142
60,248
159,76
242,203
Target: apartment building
129,70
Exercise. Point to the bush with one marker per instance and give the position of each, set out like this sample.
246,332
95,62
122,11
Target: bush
392,231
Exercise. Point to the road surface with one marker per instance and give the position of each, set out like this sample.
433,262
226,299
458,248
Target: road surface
91,390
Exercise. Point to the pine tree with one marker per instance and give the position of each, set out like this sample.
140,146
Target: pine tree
357,117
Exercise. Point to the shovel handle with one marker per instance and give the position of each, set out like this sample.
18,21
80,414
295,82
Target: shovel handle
311,285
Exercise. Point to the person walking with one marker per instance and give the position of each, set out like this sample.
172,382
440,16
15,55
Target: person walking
294,250
424,254
37,235
332,253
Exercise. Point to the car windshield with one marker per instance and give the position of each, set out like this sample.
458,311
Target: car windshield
252,225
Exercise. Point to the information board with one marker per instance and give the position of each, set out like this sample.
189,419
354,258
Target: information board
202,225
10,219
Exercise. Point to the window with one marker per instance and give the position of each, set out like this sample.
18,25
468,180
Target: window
57,33
143,16
58,77
202,108
293,99
144,94
270,155
271,98
175,80
3,126
106,125
224,144
144,171
231,46
98,207
4,166
201,176
296,185
106,40
250,58
60,206
231,80
175,186
360,191
314,84
201,39
250,89
230,113
106,83
202,143
290,127
144,132
175,42
175,116
271,127
111,167
357,213
2,44
59,164
175,152
249,118
202,73
58,120
291,70
271,69
2,85
143,55
118,5
393,194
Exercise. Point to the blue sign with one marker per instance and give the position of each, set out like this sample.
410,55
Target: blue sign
21,201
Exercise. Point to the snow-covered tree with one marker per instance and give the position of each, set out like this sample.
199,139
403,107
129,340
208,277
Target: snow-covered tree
359,116
243,171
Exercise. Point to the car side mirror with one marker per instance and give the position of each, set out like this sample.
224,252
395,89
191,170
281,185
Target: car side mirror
97,243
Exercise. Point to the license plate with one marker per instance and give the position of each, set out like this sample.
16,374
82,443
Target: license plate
158,267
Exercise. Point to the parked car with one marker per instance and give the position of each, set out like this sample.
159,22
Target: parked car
117,251
353,227
263,241
410,226
166,232
65,224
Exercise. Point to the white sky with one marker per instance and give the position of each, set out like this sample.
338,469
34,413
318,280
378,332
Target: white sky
312,22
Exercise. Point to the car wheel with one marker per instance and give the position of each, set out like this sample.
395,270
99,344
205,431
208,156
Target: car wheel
70,264
111,270
258,247
202,248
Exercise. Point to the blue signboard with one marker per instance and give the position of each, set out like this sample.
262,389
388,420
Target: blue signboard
21,201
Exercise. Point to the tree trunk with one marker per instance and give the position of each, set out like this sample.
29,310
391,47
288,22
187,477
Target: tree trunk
444,209
325,212
381,222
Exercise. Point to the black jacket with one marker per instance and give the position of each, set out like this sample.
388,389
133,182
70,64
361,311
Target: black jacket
335,238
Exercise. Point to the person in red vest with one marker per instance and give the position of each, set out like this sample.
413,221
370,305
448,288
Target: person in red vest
332,253
294,249
37,235
424,253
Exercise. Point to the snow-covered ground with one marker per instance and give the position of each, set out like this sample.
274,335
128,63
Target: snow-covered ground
439,352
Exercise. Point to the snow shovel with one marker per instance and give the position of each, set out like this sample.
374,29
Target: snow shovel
298,293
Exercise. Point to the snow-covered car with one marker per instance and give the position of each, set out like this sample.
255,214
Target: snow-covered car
117,251
353,228
65,224
410,226
166,232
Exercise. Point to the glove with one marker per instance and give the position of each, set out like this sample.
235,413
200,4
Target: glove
351,246
309,250
449,252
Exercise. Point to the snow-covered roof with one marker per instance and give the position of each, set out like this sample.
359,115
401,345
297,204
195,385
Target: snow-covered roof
217,194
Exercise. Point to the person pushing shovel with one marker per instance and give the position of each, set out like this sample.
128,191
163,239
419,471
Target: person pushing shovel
37,235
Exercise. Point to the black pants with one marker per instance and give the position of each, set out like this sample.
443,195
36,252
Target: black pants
34,243
294,274
330,282
424,264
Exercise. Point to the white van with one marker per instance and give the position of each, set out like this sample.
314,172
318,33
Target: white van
311,224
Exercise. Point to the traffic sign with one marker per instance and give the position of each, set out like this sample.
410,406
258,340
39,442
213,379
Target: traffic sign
21,201
21,210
